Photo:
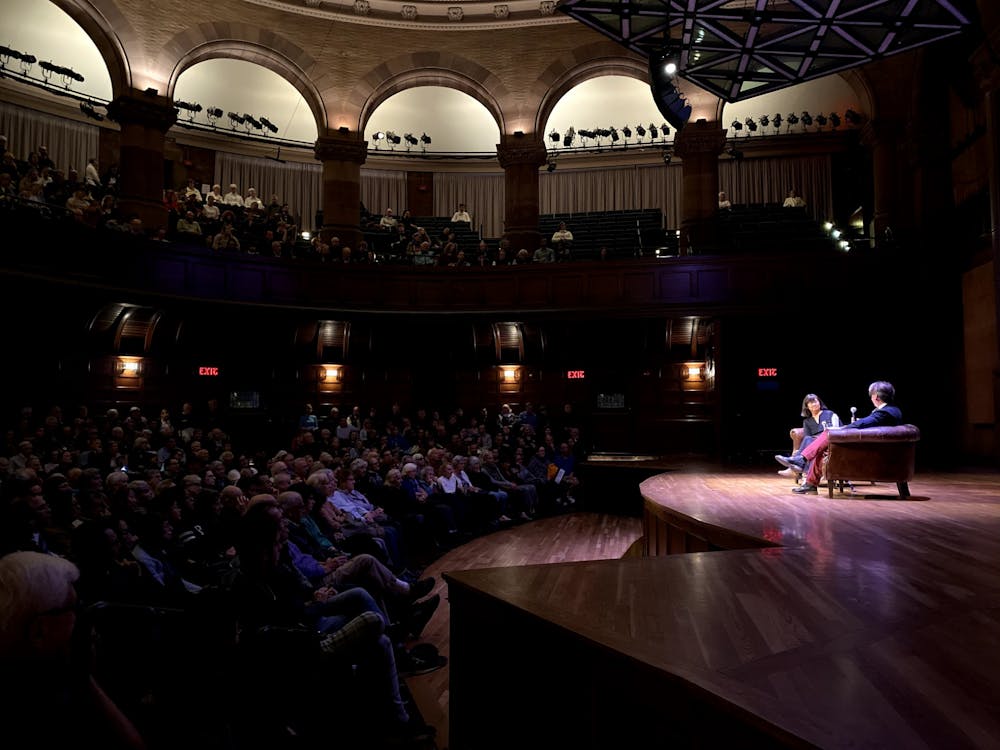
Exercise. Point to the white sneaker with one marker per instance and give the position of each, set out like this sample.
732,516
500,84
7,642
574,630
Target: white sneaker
787,473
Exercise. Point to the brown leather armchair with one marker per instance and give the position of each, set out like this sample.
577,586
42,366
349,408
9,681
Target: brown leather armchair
884,454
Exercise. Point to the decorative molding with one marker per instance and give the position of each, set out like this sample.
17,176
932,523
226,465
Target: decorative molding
313,3
362,7
455,13
547,7
155,112
333,148
501,12
409,12
432,16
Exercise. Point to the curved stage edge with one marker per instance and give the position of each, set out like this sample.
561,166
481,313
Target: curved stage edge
800,621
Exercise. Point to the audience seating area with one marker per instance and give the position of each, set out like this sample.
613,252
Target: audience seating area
624,233
759,228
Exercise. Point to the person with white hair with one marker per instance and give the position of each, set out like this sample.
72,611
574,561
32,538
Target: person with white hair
49,698
233,197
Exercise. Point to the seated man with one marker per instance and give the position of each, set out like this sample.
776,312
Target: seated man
885,414
461,216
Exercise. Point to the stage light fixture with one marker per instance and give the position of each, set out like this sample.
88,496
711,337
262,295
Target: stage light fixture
668,155
392,138
551,166
189,106
379,136
807,119
425,139
852,117
410,140
268,124
88,109
821,120
568,137
765,121
776,121
792,119
736,125
252,122
641,131
627,131
554,136
235,119
751,125
834,120
664,129
653,131
614,135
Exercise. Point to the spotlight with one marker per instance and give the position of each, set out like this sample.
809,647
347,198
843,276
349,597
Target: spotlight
410,140
834,120
667,98
554,136
188,106
852,117
88,109
236,119
614,135
551,166
425,139
668,154
653,132
268,124
821,120
379,136
568,137
776,121
736,125
68,74
807,119
213,113
627,131
252,122
765,121
792,119
751,125
392,138
641,131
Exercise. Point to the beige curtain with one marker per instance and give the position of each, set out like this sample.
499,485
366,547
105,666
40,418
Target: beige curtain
768,180
295,183
613,189
482,194
382,189
70,143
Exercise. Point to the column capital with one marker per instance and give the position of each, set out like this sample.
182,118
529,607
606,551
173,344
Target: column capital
521,150
346,147
701,138
146,109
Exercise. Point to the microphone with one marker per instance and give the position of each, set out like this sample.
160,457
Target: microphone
854,413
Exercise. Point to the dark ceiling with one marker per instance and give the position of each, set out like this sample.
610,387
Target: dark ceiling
738,49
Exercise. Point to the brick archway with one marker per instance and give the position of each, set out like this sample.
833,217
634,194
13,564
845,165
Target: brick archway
110,32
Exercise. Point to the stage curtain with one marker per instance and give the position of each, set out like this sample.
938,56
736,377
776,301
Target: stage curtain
296,183
748,181
70,143
482,194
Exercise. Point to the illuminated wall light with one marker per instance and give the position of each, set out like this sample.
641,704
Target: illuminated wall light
509,374
827,226
129,367
693,371
329,373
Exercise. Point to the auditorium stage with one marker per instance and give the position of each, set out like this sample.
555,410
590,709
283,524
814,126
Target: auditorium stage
858,621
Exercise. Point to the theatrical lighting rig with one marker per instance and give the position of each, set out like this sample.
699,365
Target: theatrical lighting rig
268,124
88,109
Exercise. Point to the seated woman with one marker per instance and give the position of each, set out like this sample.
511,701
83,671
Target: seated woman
815,418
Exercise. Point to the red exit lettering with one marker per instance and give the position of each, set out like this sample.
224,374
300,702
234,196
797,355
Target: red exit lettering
208,371
575,374
767,372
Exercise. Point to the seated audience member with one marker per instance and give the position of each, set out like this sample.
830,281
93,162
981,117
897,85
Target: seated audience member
345,634
191,191
388,221
543,253
252,201
50,699
885,414
461,216
815,418
724,202
793,200
226,239
233,197
92,178
187,226
562,234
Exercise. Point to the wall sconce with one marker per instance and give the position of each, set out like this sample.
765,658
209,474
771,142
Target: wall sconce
129,367
510,374
329,373
693,371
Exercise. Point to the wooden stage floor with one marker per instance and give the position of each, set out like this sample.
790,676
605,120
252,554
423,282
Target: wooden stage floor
871,622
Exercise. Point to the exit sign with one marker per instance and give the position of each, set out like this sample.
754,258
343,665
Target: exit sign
767,372
575,374
208,372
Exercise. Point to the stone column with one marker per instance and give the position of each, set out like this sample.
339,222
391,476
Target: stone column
342,153
699,145
520,156
893,200
144,118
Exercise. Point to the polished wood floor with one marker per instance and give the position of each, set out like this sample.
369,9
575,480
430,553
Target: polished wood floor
874,622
